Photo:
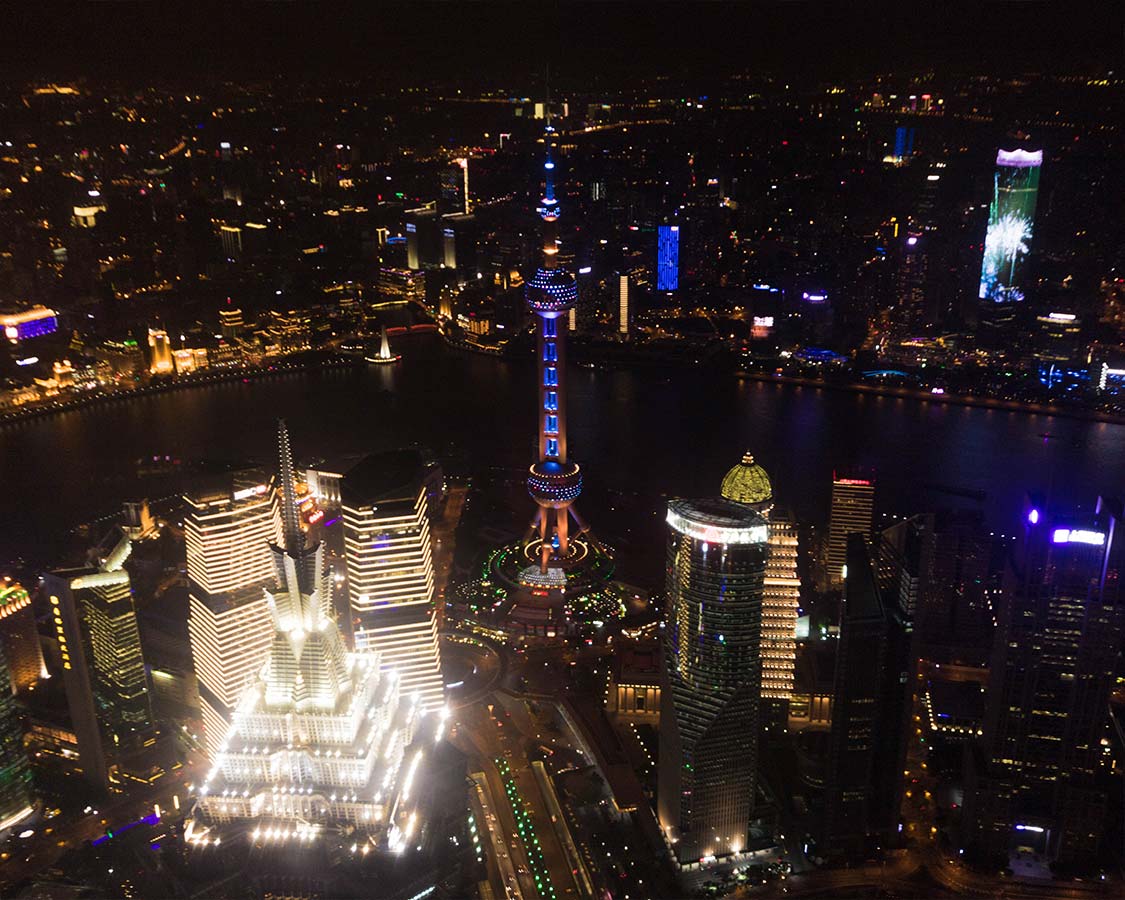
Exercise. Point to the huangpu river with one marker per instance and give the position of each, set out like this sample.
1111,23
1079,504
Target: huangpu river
640,435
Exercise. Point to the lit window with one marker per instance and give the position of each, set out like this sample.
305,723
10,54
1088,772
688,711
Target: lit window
551,376
550,352
552,424
551,402
549,328
552,447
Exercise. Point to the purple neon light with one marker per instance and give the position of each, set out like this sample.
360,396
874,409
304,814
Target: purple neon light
1033,516
1019,159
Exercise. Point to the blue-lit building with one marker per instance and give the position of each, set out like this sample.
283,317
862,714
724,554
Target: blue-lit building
668,258
904,142
28,323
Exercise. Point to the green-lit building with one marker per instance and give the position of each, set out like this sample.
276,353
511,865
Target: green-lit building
15,773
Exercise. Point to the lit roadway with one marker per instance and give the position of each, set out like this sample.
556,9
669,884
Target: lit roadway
490,824
486,739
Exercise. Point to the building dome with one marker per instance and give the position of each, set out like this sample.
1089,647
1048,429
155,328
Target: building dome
747,483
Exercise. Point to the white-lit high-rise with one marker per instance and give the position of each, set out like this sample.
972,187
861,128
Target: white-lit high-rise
390,568
748,483
228,532
852,512
321,743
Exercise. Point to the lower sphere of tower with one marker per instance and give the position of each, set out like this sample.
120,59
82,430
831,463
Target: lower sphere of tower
551,290
554,485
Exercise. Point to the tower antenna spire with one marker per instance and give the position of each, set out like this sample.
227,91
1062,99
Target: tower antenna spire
290,517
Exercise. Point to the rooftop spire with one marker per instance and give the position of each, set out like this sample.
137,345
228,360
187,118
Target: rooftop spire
290,517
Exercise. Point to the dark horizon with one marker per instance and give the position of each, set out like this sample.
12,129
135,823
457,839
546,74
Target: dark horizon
582,42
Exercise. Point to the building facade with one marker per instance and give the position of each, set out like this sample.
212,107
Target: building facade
711,685
1052,670
390,569
668,257
20,637
321,743
1011,221
104,675
228,531
852,511
872,689
15,773
749,484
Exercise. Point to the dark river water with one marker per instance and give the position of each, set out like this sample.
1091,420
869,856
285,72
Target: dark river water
640,436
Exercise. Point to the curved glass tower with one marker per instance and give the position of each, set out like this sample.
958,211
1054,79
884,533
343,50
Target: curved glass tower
711,683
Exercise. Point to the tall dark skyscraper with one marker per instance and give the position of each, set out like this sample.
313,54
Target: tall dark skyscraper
873,685
711,683
1060,623
15,774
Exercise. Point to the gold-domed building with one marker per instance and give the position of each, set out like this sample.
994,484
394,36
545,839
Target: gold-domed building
748,483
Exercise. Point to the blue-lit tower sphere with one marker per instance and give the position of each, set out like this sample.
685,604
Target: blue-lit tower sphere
553,482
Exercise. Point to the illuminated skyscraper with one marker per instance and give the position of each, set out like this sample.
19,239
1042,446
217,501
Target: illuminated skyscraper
319,744
227,532
1060,619
914,312
748,483
231,323
20,636
455,187
668,257
1011,219
853,509
622,303
103,667
161,347
390,568
711,684
23,325
15,773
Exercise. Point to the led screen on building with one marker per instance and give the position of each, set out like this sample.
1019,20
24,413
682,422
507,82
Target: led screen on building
668,258
1010,222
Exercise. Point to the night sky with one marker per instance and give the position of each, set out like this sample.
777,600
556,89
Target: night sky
509,42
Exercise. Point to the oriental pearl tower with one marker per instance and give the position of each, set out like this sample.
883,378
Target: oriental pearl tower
553,481
558,576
